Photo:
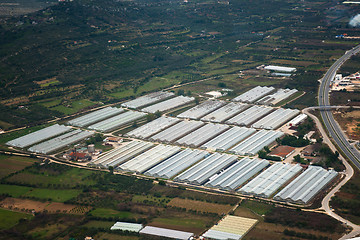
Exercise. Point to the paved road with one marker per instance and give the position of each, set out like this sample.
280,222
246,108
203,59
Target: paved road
330,124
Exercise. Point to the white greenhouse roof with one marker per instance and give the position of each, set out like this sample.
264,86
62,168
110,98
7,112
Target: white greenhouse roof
253,94
297,120
266,184
95,116
202,135
307,185
60,142
149,158
253,144
202,171
276,119
225,112
38,136
152,127
202,109
249,116
177,131
117,121
228,139
147,99
163,232
277,97
121,154
177,163
168,104
219,235
125,226
280,68
237,174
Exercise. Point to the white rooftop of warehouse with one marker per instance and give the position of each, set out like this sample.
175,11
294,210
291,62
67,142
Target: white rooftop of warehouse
126,226
280,68
164,232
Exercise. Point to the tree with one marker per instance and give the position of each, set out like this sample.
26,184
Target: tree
111,169
222,84
181,92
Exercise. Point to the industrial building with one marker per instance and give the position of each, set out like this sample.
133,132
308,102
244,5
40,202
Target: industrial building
228,139
230,228
276,119
168,104
150,158
237,174
202,109
276,97
95,116
177,163
225,112
60,142
254,94
121,154
202,135
249,116
147,99
306,185
202,171
152,127
253,144
125,226
117,121
280,69
269,181
177,131
168,233
38,136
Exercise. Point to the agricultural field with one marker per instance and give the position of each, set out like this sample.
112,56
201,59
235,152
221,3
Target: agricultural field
200,206
11,218
12,164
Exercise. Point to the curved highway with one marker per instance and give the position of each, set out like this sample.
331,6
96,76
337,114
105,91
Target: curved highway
331,125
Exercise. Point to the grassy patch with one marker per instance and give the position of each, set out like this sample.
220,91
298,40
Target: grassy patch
257,207
107,212
74,107
11,164
99,224
110,236
56,195
10,218
148,199
200,206
13,190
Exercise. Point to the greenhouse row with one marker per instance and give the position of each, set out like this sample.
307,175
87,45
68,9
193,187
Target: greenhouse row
121,154
168,104
254,94
237,174
177,163
147,99
60,142
177,131
152,127
202,171
150,158
202,135
95,116
117,121
269,181
225,112
276,119
38,136
277,97
228,139
202,109
249,116
253,144
307,185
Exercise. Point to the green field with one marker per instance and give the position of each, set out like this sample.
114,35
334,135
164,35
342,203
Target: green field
10,218
13,190
182,222
74,107
11,164
107,212
56,195
257,207
70,178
